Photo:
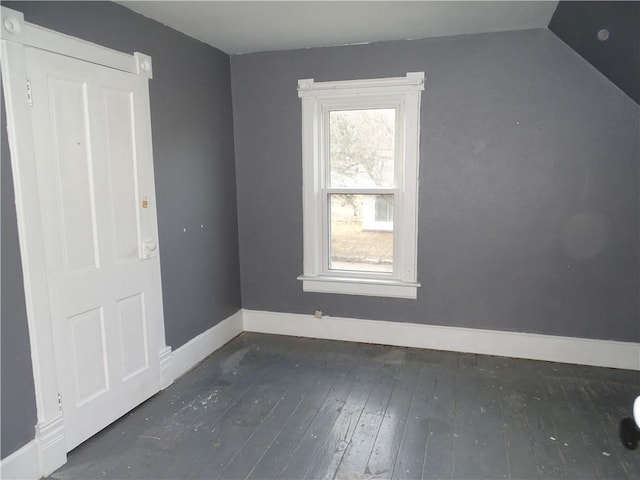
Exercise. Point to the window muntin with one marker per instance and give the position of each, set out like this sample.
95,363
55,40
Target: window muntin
379,176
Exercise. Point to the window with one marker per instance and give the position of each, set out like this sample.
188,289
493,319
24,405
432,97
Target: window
360,144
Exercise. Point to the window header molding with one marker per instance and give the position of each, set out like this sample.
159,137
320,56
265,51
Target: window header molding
413,81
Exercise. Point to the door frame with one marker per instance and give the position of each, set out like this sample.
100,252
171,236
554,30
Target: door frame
15,35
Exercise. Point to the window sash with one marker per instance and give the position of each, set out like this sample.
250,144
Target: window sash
324,107
325,191
326,234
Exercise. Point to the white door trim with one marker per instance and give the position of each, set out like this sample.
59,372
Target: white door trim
15,29
15,34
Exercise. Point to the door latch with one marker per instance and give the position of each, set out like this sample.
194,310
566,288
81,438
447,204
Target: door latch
149,249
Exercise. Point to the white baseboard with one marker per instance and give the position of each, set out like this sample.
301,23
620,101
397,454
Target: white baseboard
24,463
52,446
198,348
582,351
166,360
40,457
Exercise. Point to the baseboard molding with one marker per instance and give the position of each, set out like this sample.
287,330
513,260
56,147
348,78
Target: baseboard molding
40,457
52,446
198,348
166,360
24,463
581,351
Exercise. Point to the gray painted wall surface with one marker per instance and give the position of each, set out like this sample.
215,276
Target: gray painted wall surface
17,396
194,173
528,209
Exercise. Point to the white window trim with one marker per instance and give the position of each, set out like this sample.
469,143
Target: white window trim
317,97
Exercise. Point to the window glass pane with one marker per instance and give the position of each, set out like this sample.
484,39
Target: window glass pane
362,147
384,208
359,241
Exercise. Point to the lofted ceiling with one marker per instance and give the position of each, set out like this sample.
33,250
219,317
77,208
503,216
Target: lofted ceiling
254,26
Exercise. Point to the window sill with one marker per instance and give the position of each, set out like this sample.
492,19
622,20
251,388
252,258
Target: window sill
359,286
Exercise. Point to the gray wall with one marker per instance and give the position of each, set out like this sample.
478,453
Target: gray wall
195,184
528,209
17,397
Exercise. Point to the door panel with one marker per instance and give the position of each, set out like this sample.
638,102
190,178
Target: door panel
133,335
68,116
88,350
95,181
122,174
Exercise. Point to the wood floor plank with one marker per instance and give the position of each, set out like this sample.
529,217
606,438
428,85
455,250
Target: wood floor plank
410,458
518,439
242,422
332,368
598,434
466,435
273,461
546,450
313,439
252,452
166,424
215,430
324,461
356,457
491,423
621,401
438,458
575,452
387,442
298,461
268,406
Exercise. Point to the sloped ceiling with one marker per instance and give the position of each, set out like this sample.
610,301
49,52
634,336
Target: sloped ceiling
607,35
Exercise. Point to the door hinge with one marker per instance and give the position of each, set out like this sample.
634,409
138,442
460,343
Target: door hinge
59,401
29,94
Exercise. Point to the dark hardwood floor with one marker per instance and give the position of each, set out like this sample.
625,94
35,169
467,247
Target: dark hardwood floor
266,407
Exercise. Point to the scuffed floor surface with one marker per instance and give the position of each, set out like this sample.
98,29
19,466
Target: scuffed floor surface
268,407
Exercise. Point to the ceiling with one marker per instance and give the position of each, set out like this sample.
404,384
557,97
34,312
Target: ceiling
254,26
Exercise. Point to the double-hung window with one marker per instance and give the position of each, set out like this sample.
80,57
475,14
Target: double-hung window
360,147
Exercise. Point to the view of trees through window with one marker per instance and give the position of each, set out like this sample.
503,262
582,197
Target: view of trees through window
361,155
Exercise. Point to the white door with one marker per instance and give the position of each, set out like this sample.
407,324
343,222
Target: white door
92,139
